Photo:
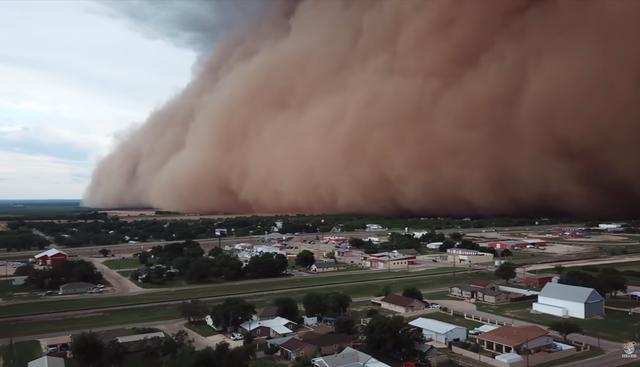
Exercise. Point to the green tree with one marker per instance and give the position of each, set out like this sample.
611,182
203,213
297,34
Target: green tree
266,265
143,257
200,270
232,312
87,349
390,336
506,271
338,303
104,252
344,325
287,307
305,259
357,242
412,292
193,310
611,281
314,304
113,354
506,253
565,328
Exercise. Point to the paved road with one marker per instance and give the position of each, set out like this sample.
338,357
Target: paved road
119,284
599,261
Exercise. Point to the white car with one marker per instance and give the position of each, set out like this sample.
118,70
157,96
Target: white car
434,305
236,336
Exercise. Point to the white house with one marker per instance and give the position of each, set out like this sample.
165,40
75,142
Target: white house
276,327
569,301
349,357
439,331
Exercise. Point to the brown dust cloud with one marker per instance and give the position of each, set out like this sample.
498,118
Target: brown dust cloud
398,107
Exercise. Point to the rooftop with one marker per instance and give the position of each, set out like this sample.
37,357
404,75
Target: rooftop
49,253
278,324
349,357
399,300
437,326
139,337
570,293
513,335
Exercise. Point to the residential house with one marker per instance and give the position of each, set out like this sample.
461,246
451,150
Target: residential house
47,361
323,266
275,328
569,301
439,331
537,280
479,291
400,304
515,339
76,288
51,257
349,357
313,343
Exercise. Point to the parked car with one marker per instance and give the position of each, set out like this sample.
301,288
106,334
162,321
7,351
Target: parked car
434,305
236,336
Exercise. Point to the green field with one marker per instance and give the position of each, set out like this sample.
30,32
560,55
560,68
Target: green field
617,325
202,329
241,288
167,312
119,264
23,353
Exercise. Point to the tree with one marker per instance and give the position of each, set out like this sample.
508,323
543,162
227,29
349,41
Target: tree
193,310
232,312
446,244
344,325
506,271
303,361
200,270
104,252
143,257
412,292
390,336
87,349
305,259
611,281
565,328
113,354
455,236
578,278
266,265
506,253
287,307
338,303
558,269
357,242
314,304
215,251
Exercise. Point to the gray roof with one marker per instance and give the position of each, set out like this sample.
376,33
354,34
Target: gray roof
570,293
349,357
47,361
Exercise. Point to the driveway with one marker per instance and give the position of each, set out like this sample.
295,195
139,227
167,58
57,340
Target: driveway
120,284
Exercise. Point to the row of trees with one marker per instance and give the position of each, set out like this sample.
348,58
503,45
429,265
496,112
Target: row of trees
21,240
175,351
60,273
607,281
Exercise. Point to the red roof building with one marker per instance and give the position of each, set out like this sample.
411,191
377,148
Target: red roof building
51,257
537,281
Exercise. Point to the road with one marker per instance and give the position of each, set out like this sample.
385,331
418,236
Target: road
600,261
119,284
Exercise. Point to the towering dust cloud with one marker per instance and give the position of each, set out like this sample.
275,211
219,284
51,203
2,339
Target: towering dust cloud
404,107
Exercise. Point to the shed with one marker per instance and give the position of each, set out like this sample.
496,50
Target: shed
440,331
569,301
51,257
401,304
47,361
75,288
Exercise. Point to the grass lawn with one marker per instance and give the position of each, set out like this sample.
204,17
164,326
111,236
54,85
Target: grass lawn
23,353
202,329
119,264
346,282
623,302
617,325
437,295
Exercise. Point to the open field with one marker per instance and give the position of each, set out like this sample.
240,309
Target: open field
139,314
233,289
618,326
120,264
23,353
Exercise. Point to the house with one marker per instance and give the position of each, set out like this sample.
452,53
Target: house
441,332
47,361
275,328
76,288
537,280
349,357
400,304
389,260
461,255
569,301
312,343
322,266
515,339
51,257
479,291
373,228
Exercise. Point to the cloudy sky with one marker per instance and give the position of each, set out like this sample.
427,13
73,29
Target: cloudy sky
73,76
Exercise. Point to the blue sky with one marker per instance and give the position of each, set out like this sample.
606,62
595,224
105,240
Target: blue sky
73,77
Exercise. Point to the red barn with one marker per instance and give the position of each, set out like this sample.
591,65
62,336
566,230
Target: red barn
537,281
51,257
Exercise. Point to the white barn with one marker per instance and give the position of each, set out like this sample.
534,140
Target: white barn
569,301
439,331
